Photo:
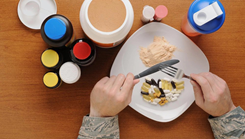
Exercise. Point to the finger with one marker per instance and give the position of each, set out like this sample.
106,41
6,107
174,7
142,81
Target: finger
198,94
221,84
220,80
103,80
209,76
216,83
212,80
110,80
136,81
118,82
128,84
204,84
109,83
131,91
129,98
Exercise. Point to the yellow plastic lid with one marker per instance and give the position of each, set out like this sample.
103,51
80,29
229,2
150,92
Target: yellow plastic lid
50,79
50,58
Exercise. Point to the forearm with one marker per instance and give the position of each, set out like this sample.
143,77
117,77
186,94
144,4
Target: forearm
97,127
230,125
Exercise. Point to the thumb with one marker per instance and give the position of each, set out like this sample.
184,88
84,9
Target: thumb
198,94
136,81
131,91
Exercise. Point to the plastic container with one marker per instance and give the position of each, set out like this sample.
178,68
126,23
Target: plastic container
70,72
30,8
83,52
51,80
57,31
52,59
147,14
32,13
106,39
203,17
161,11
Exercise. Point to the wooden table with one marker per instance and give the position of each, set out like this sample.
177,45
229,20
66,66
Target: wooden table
28,110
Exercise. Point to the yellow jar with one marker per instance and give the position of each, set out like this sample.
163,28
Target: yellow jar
51,80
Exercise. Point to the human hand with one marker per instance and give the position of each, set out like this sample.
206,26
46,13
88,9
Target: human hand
212,94
111,95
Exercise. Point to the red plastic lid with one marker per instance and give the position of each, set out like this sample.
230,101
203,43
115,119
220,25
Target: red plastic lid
161,11
81,50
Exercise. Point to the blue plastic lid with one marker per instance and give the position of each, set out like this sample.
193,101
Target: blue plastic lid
210,26
55,28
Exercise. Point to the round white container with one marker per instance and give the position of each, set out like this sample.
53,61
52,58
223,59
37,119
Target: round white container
106,39
70,72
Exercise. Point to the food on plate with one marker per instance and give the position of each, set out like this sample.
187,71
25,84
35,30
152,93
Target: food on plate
161,92
158,51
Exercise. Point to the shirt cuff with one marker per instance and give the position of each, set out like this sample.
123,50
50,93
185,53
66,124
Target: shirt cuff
230,124
100,127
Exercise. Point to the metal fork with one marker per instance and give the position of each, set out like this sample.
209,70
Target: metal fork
175,72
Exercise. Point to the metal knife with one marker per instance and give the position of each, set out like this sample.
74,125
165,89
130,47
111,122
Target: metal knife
156,68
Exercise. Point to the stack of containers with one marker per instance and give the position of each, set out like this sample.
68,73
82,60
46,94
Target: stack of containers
65,54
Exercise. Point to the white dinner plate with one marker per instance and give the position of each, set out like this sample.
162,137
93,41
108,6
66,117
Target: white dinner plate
192,60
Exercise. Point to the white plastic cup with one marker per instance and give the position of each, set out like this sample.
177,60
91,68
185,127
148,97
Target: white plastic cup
147,14
30,8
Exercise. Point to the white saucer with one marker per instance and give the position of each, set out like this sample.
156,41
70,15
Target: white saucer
48,7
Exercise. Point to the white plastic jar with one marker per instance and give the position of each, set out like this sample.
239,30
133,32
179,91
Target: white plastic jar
106,39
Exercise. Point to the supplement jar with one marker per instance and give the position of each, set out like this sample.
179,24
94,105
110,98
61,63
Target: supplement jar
106,22
51,59
57,31
83,52
70,72
51,80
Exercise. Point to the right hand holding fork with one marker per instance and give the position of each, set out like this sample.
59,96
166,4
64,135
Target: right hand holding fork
212,94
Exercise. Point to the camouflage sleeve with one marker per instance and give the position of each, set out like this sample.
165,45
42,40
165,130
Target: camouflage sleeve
230,125
99,128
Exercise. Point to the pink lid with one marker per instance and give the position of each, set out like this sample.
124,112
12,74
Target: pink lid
161,11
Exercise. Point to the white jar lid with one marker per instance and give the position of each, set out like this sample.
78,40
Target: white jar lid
32,13
70,72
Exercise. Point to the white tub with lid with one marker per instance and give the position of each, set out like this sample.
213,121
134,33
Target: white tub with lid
106,39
